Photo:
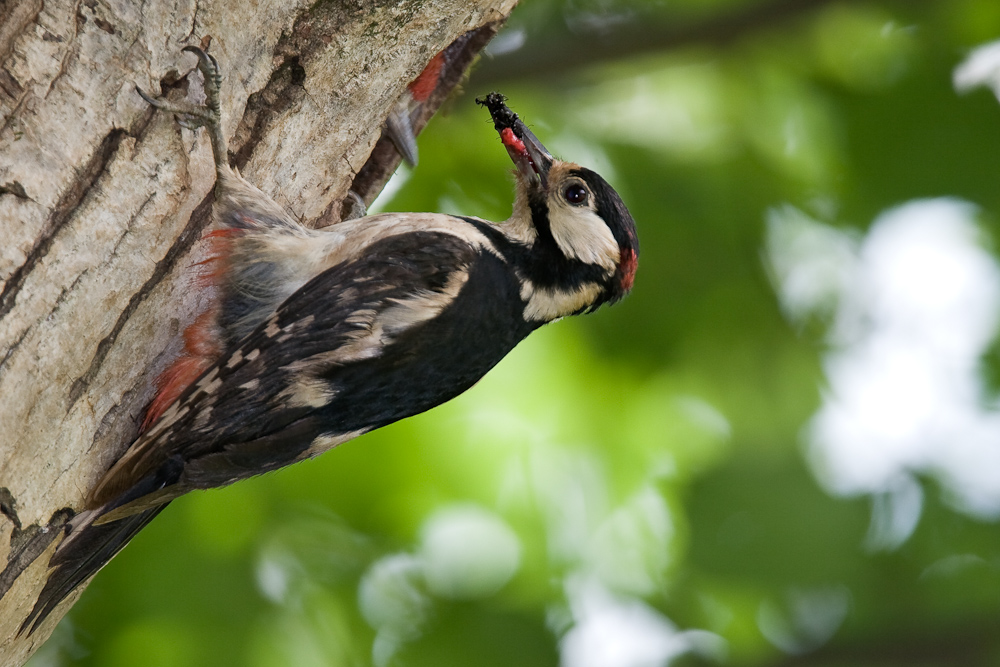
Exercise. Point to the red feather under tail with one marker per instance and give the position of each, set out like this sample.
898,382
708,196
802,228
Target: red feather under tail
202,338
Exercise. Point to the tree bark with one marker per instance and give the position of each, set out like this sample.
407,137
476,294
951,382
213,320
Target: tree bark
102,201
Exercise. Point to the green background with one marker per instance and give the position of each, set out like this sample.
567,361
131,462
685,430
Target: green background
648,458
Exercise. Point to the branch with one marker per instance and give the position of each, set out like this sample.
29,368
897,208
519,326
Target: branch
559,54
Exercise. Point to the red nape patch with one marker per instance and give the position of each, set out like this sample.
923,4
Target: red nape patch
627,268
422,87
201,349
510,140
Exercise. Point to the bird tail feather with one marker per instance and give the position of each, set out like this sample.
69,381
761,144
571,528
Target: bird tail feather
86,549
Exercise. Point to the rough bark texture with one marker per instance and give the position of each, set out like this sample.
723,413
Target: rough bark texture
102,202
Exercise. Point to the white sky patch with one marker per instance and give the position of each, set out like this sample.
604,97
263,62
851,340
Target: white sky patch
273,578
680,110
914,307
895,514
571,491
705,416
393,600
980,68
586,153
616,631
627,546
811,264
615,555
468,552
630,549
449,206
392,187
507,41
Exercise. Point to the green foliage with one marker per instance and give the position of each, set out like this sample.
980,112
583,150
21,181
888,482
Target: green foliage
656,447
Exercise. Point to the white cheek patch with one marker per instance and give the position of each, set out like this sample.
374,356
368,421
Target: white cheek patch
581,234
546,305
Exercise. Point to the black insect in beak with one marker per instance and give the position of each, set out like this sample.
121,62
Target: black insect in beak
529,155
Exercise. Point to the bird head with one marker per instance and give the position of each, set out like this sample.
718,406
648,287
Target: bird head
580,225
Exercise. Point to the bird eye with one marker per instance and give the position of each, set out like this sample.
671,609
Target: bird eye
575,194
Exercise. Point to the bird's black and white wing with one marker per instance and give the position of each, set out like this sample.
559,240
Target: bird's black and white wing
390,334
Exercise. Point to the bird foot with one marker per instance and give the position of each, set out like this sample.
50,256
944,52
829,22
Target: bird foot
193,116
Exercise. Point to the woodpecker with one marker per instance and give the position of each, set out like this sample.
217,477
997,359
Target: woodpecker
399,124
319,336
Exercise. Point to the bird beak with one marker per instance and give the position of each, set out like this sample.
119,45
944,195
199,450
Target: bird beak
527,152
399,126
399,129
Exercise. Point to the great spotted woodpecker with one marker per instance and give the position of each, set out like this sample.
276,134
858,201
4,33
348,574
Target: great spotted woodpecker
322,335
399,124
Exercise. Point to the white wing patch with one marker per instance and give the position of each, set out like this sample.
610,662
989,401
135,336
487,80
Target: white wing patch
373,331
420,307
272,329
306,391
362,343
210,381
292,255
166,420
323,443
289,329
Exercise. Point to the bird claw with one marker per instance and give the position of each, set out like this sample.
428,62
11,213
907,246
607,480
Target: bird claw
193,116
207,63
209,68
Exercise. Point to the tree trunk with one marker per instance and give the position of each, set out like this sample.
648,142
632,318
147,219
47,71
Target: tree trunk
102,202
